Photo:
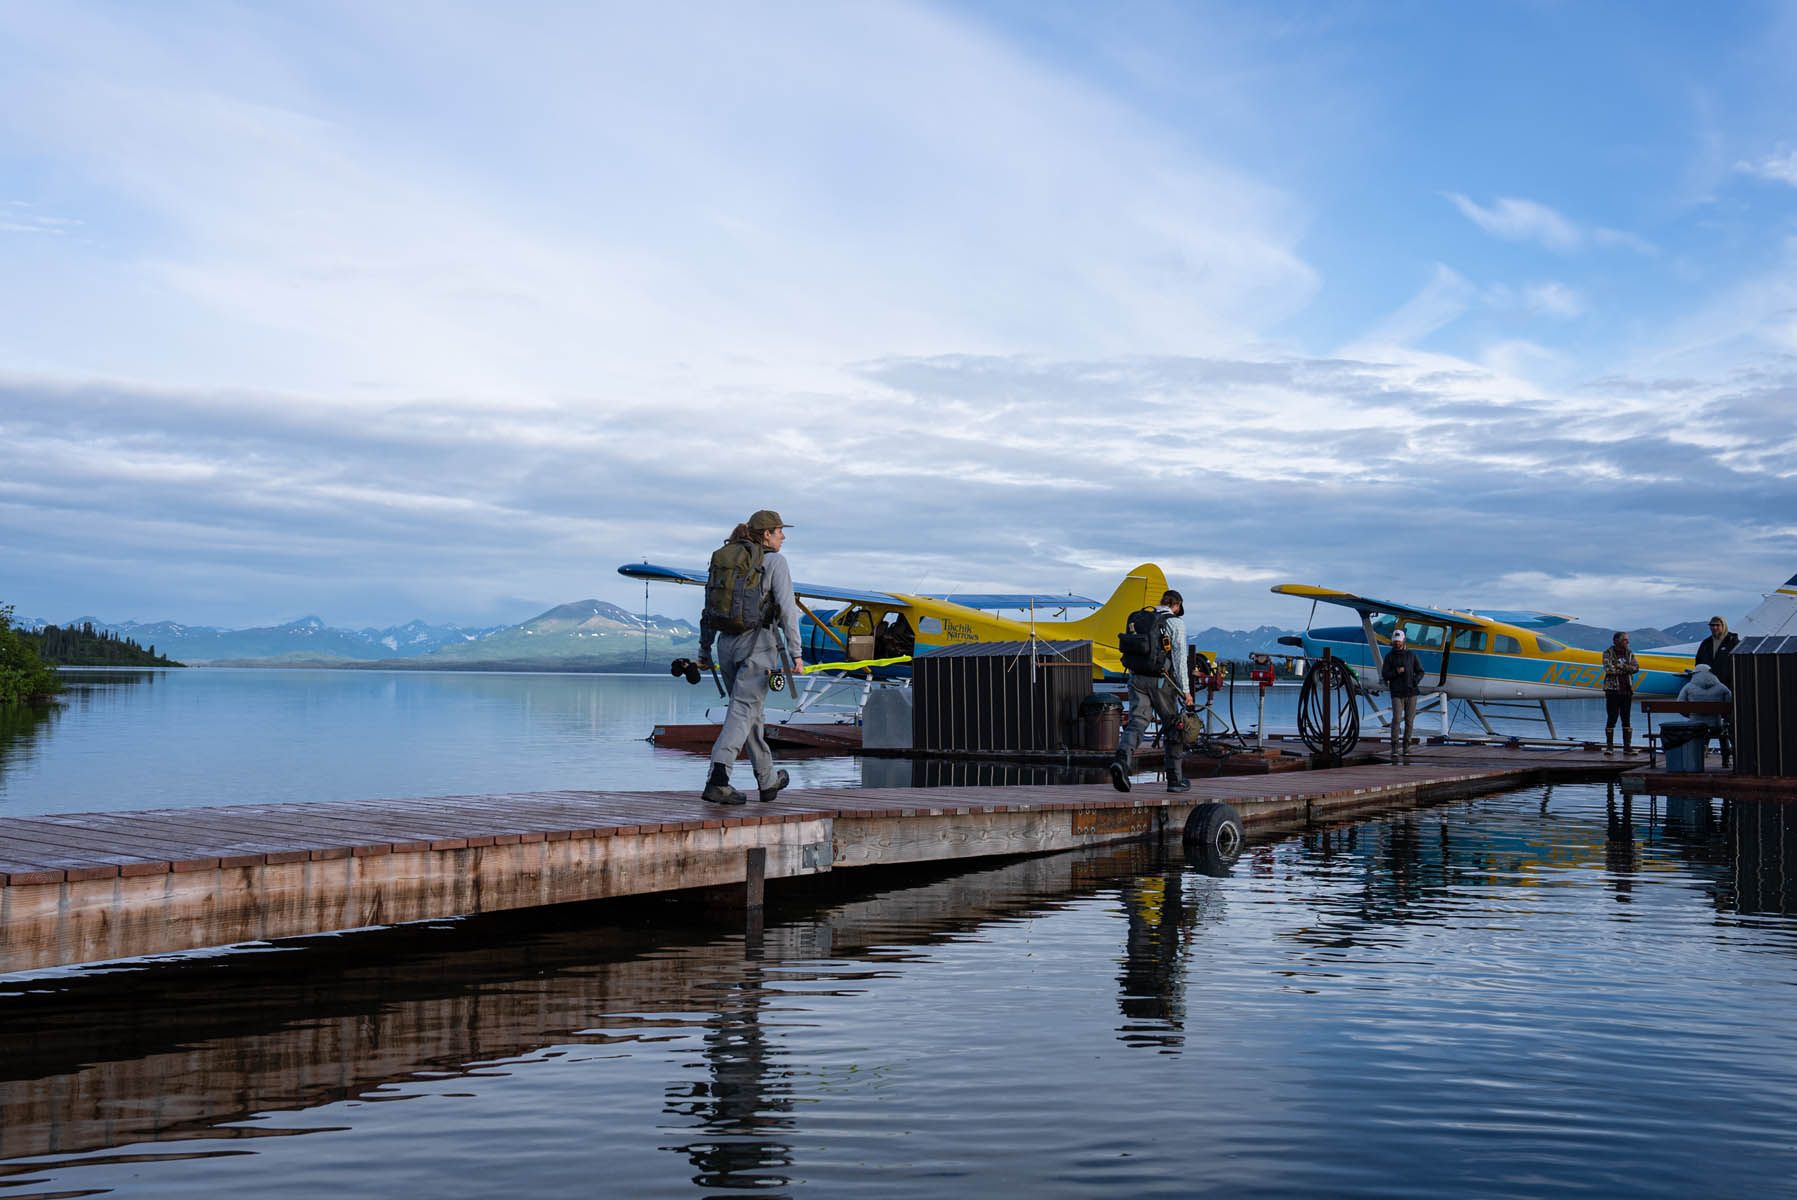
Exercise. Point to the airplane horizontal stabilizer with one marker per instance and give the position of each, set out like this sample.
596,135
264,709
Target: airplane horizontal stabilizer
1019,600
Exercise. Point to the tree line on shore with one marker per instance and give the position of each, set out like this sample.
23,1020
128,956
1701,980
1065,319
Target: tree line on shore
84,646
24,676
29,658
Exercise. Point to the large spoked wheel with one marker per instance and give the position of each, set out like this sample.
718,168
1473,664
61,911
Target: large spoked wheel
1213,838
1339,712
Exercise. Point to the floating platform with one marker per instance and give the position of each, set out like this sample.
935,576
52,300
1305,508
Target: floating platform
1724,784
86,887
799,735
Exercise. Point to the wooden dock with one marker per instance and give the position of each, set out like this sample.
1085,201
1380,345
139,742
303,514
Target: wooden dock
86,887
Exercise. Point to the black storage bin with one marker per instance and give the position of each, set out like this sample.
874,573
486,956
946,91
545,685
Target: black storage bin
1101,720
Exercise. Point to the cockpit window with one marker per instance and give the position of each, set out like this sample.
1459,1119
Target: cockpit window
1383,625
1503,643
1422,637
1548,645
1470,639
929,625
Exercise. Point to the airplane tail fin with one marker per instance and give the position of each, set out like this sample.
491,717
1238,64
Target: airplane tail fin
1775,616
1141,588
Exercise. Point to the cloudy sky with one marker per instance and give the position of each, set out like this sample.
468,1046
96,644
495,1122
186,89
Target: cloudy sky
392,310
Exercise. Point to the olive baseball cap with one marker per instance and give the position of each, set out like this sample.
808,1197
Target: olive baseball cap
766,519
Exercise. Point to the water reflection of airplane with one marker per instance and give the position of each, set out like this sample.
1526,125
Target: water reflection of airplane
874,626
1497,660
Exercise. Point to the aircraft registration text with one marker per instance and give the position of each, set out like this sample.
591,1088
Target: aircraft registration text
1574,675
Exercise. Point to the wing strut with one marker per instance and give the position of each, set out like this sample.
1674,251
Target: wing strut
834,636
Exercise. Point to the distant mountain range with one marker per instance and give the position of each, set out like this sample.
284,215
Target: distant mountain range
1235,645
593,635
585,635
1591,637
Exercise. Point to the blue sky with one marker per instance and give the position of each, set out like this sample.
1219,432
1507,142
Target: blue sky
392,310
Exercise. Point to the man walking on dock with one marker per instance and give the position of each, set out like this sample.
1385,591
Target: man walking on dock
1154,653
748,603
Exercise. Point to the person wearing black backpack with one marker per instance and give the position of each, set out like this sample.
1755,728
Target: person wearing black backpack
748,593
1153,646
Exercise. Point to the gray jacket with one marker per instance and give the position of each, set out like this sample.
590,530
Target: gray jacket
784,605
1703,685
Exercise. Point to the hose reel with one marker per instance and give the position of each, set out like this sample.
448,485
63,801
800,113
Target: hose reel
1329,708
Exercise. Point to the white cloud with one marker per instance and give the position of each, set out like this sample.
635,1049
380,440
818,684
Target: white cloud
602,201
1777,167
1554,299
1617,239
924,475
1518,220
20,216
1595,596
1440,302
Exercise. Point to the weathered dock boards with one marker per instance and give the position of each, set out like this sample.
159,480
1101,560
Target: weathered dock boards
84,887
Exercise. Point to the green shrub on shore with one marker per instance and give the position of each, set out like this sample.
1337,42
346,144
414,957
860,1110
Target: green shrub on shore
23,675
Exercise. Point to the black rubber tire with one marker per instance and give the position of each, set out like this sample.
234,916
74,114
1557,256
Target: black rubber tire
1215,827
1207,860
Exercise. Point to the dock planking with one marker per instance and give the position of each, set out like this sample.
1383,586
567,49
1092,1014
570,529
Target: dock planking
85,887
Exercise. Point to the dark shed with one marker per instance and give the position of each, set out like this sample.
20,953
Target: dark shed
1765,671
1000,696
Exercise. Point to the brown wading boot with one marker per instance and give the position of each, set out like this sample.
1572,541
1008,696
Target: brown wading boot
1609,742
780,781
1628,736
718,789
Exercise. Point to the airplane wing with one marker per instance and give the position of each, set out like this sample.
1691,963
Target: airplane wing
1523,618
812,591
660,574
1366,604
1003,600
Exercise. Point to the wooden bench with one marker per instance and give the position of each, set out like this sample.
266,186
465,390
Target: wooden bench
1684,708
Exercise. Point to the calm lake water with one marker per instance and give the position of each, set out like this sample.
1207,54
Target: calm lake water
163,739
1550,992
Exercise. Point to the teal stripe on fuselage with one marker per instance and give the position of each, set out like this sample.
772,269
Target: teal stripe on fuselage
1505,668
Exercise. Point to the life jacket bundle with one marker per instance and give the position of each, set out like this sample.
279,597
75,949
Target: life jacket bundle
736,588
1144,644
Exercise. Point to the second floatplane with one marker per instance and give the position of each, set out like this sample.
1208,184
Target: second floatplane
1502,664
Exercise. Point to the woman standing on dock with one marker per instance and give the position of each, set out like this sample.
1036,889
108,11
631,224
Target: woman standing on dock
1620,668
